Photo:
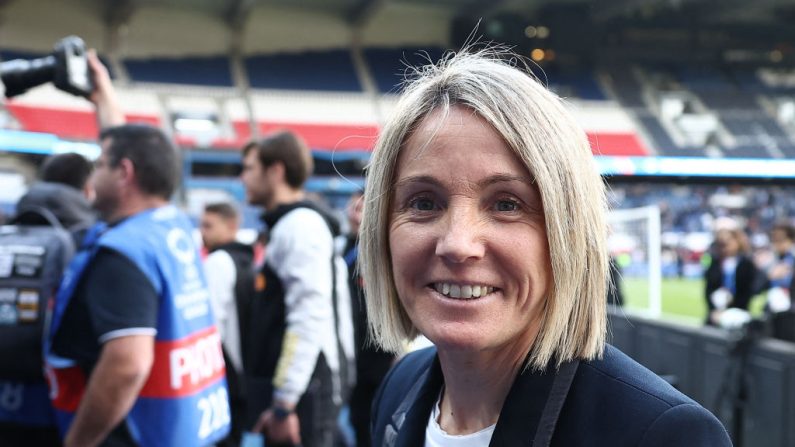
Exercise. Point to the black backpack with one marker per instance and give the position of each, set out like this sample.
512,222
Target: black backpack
32,260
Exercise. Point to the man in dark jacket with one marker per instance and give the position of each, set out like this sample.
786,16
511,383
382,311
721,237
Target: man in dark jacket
64,190
59,191
230,278
372,363
304,333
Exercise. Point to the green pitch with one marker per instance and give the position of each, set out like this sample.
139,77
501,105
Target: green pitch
681,298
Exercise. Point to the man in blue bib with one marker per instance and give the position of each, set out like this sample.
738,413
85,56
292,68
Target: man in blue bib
133,354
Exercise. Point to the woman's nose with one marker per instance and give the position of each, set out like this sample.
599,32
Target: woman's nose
461,237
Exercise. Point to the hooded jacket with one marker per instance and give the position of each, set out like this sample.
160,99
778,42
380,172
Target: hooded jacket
68,204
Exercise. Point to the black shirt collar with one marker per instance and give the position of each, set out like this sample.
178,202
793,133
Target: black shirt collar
271,217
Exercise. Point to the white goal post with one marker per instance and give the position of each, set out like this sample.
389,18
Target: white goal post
635,233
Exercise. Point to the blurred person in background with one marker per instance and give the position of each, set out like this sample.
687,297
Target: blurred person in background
302,343
63,189
779,273
26,415
133,354
230,278
781,282
485,231
372,362
732,278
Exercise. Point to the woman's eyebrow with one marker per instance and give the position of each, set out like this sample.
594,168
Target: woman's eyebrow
426,179
504,178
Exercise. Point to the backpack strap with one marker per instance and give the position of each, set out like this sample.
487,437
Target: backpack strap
68,243
38,211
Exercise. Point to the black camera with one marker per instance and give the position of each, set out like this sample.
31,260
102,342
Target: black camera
67,68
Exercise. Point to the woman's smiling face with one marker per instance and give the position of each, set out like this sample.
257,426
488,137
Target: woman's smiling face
467,237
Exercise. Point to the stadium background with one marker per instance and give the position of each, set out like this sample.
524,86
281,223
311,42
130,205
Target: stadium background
649,81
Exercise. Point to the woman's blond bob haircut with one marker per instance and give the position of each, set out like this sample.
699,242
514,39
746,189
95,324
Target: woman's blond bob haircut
554,149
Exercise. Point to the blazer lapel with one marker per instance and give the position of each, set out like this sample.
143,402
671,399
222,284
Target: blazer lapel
519,418
411,417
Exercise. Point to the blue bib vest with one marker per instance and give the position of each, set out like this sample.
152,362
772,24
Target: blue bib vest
184,401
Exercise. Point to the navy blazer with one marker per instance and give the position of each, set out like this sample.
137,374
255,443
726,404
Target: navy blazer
612,402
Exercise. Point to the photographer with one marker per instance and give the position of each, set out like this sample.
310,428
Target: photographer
72,69
104,97
56,207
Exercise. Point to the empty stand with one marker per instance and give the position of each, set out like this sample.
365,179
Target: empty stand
580,84
390,66
629,93
328,70
735,100
206,71
627,89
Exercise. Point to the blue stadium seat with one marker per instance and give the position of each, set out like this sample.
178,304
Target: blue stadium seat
327,70
581,83
204,71
390,66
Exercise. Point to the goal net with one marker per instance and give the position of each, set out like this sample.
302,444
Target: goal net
635,246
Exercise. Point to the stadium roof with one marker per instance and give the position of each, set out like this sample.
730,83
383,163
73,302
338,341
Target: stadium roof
141,28
700,11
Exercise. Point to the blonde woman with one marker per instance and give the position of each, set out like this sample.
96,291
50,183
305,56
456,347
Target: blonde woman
484,230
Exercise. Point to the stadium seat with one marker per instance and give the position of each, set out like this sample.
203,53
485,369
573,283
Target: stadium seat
207,71
327,70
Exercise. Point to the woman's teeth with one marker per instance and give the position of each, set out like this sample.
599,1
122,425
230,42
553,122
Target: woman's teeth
462,292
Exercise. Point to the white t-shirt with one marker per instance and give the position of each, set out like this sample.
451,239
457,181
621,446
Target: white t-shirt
436,437
299,251
221,274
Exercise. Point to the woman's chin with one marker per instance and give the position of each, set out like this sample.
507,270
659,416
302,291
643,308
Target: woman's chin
464,341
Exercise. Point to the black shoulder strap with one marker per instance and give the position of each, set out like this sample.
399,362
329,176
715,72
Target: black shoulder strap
555,401
38,211
68,243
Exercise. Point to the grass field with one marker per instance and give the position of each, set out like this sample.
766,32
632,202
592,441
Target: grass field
682,299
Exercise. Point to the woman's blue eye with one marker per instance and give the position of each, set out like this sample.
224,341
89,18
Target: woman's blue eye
422,204
507,205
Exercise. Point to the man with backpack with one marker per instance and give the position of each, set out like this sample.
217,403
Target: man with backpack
35,249
302,345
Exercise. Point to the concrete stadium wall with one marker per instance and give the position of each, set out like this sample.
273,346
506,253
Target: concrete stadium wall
35,26
185,29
